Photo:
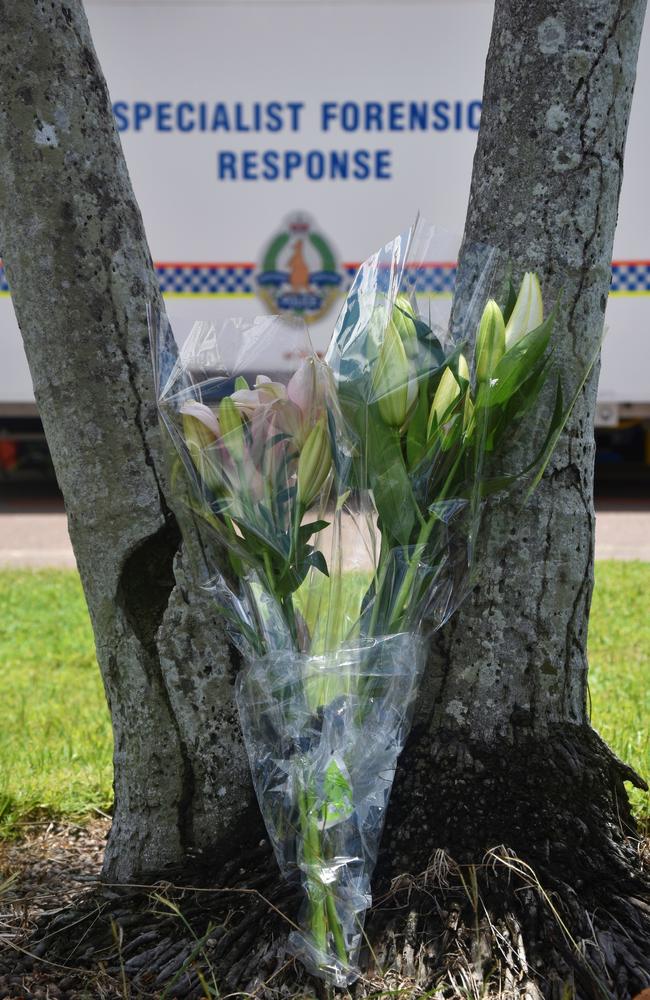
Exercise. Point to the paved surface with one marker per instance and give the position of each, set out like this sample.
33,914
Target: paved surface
623,534
35,540
41,539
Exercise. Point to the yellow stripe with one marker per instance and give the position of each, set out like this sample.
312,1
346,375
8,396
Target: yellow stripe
209,295
629,294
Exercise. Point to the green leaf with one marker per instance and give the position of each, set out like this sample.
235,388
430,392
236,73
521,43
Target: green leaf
497,484
389,480
507,296
504,421
286,494
305,531
318,561
558,422
416,435
291,575
277,439
337,795
430,342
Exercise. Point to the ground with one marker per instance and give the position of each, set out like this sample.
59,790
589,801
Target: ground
55,762
48,867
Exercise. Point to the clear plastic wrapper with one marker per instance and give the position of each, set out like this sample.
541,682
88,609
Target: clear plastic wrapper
340,501
323,735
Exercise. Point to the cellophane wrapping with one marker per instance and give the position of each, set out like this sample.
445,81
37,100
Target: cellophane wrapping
341,501
323,735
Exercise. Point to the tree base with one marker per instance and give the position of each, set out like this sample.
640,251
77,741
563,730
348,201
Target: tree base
505,872
547,882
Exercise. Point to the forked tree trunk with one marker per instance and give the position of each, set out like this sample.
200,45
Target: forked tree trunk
502,755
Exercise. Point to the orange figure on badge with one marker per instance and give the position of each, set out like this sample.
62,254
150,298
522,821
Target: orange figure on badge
299,273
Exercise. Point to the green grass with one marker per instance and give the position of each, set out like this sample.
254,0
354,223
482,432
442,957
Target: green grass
55,739
619,660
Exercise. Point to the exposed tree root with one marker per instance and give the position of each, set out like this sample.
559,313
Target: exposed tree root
566,897
562,911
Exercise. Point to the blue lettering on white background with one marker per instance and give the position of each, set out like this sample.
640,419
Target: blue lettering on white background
314,164
289,116
293,117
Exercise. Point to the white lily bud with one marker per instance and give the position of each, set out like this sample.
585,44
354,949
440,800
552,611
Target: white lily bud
314,463
448,390
528,312
404,319
201,431
392,385
232,432
490,341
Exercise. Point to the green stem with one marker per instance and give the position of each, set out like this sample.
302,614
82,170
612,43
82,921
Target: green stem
322,905
335,926
317,917
334,622
381,579
423,537
289,610
404,591
298,514
285,602
268,567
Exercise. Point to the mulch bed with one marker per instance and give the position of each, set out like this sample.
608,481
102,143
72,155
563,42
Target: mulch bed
55,867
65,936
40,875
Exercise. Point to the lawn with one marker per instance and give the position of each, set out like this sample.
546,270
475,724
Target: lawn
55,739
619,658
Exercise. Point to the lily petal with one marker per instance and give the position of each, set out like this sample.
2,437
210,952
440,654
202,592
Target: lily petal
301,388
207,416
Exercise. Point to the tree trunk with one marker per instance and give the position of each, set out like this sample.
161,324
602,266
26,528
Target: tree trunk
503,740
502,758
81,274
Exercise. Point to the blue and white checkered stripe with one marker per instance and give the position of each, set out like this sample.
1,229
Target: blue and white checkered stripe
628,278
430,279
631,276
209,279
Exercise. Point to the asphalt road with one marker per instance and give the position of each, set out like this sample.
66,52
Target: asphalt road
31,536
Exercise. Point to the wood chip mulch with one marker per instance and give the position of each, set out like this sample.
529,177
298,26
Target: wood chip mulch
41,874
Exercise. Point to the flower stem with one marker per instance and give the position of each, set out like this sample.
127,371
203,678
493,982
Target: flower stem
404,592
335,926
317,917
322,905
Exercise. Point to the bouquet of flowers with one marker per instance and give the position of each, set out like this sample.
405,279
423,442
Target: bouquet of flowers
344,498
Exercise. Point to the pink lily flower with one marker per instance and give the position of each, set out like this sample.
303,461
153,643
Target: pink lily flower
298,405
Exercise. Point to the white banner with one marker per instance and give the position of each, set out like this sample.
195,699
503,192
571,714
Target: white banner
272,146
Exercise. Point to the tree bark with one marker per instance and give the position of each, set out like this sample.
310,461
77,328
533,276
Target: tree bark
503,730
81,275
502,757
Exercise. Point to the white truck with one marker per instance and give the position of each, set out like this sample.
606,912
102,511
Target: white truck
273,145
